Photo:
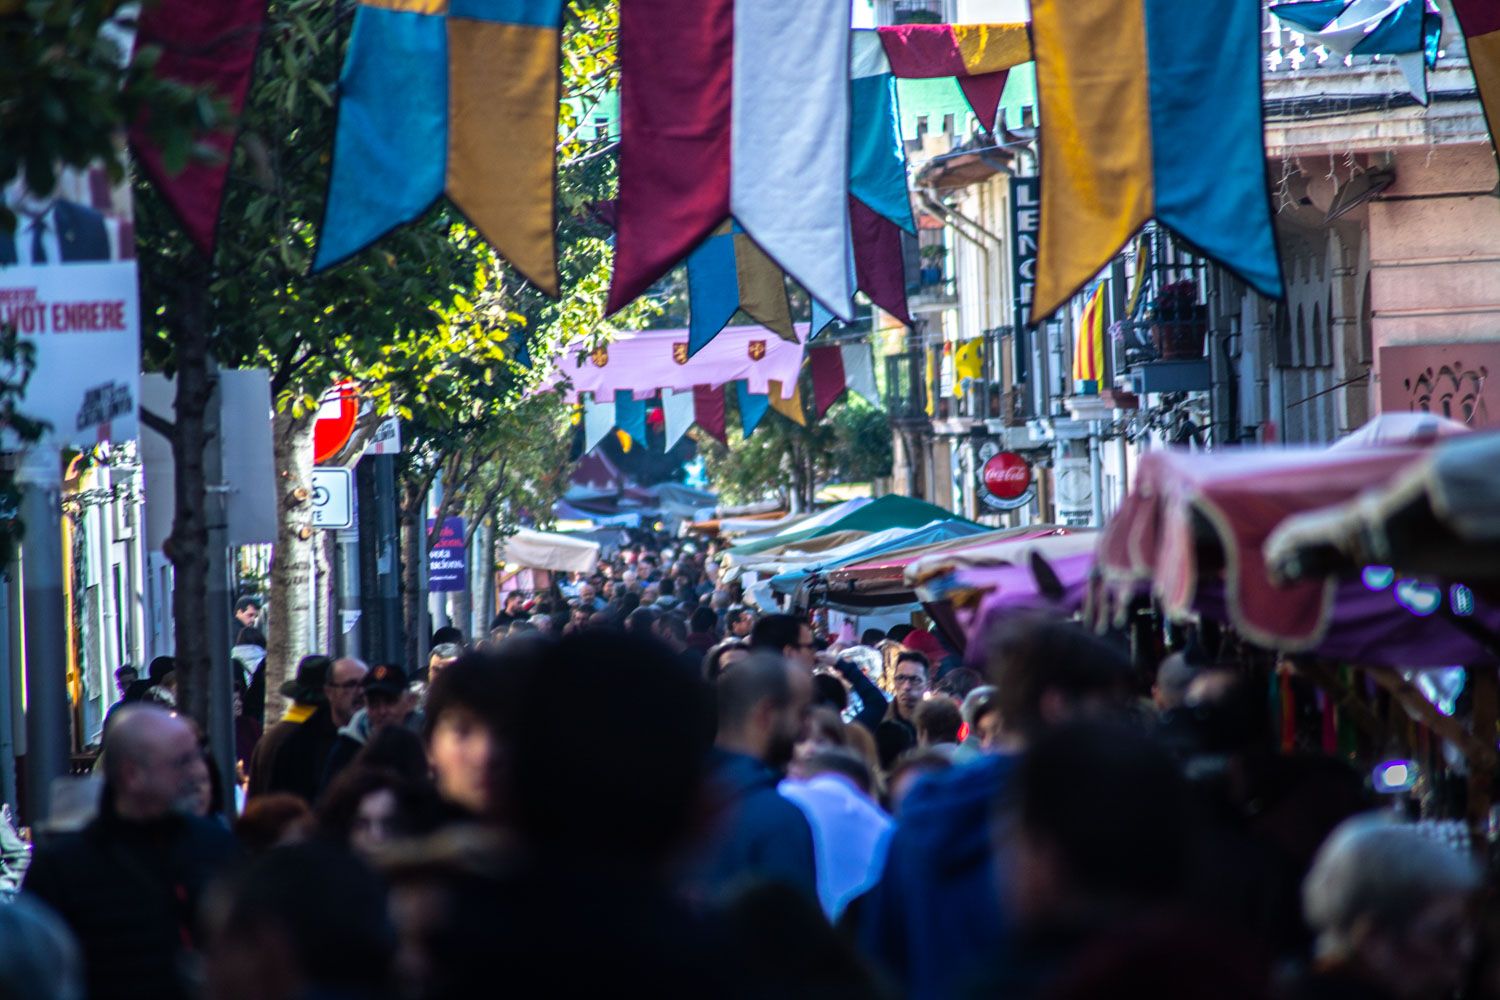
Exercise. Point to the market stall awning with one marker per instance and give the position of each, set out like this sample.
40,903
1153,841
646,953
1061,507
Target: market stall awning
883,579
1440,517
1193,515
873,544
891,511
1402,428
544,550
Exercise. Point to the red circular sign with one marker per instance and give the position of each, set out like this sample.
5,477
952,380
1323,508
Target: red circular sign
338,412
1007,475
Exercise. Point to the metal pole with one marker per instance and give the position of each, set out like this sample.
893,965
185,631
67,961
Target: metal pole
220,599
10,667
346,576
1096,471
45,627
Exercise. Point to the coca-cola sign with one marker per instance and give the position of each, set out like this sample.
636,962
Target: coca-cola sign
1007,481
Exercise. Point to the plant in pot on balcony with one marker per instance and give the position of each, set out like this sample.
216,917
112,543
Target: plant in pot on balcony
1179,323
931,272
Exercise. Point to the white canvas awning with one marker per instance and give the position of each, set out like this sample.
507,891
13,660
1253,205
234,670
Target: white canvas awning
543,550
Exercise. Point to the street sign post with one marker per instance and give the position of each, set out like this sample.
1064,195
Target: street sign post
333,497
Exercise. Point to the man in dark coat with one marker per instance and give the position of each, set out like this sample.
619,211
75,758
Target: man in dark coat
129,883
761,837
292,754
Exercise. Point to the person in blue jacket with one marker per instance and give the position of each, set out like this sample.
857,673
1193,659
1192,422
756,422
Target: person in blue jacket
938,914
760,836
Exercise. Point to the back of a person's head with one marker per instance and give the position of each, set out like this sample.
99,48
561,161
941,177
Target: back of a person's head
250,636
270,819
830,691
774,633
704,619
398,749
842,761
477,682
447,635
673,625
667,587
328,909
938,720
871,637
918,761
1028,656
641,766
641,621
39,959
957,684
758,678
1111,806
899,632
1375,873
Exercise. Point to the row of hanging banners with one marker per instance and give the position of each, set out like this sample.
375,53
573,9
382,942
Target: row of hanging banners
615,383
1148,110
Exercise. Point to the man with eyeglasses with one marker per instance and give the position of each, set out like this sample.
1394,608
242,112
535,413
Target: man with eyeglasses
897,732
292,755
345,690
787,636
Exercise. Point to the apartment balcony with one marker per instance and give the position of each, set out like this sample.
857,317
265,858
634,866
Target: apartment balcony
906,388
933,293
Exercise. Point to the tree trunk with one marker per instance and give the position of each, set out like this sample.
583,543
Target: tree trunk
292,563
188,545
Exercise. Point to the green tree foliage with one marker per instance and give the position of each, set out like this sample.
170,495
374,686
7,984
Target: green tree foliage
67,91
851,444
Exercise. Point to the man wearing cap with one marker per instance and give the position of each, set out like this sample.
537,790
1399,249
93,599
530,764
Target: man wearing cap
386,704
292,754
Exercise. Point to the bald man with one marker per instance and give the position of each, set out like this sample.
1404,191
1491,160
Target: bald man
129,883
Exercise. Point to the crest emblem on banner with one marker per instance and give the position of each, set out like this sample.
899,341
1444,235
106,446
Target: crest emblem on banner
680,352
757,349
599,356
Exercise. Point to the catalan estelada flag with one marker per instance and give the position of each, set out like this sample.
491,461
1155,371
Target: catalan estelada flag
455,96
1149,108
1480,22
1088,344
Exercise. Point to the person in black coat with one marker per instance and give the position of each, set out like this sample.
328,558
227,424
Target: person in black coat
129,884
292,754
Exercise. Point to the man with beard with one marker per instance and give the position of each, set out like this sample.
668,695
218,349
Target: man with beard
761,836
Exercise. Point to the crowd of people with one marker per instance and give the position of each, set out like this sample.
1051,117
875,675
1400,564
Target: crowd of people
634,781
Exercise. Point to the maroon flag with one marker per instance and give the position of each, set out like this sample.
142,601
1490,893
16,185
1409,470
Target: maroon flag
708,410
676,59
878,262
210,46
829,382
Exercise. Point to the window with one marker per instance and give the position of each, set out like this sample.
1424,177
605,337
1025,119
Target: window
917,12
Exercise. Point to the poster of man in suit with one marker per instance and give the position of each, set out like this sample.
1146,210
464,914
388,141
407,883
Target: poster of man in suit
68,286
81,219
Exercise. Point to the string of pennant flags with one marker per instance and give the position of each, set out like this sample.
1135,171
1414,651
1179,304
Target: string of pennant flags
1147,110
616,385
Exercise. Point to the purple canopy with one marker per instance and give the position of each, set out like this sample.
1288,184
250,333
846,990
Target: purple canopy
1368,628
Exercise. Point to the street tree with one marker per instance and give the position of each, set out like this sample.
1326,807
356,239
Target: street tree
781,460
